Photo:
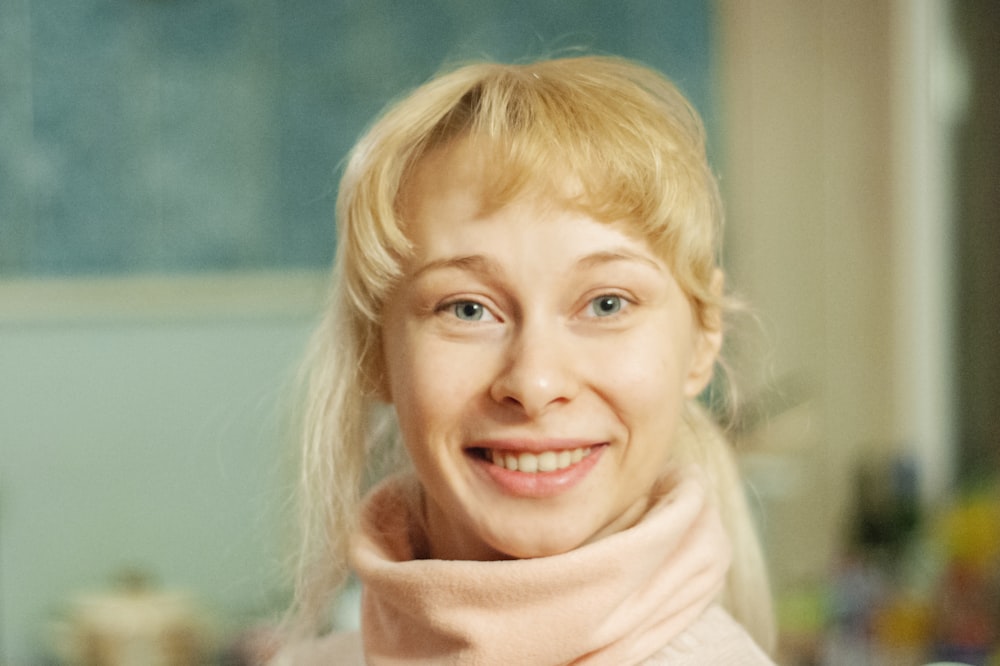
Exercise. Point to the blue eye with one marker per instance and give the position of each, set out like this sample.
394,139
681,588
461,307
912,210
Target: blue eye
468,310
607,305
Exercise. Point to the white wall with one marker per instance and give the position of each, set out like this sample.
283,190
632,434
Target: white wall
808,186
827,161
141,425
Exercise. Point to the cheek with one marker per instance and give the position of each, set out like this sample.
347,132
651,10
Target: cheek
643,381
432,385
648,368
417,412
650,400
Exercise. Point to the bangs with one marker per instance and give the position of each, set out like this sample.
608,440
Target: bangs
626,140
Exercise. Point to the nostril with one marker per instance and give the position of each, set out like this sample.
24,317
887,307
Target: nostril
511,401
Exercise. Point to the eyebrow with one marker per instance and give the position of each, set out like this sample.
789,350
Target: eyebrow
618,254
485,265
474,263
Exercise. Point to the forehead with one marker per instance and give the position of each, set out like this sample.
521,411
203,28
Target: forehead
454,173
474,178
451,209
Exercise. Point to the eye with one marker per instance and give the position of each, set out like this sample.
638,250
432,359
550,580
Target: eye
606,305
469,311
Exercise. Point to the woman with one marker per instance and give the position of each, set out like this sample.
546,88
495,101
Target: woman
526,287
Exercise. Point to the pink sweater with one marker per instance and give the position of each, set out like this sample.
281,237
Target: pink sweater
643,596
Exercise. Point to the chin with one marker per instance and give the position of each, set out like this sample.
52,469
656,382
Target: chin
522,548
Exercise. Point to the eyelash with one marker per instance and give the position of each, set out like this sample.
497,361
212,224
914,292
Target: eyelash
452,308
594,303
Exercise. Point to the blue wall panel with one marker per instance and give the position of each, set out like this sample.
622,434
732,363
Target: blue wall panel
204,135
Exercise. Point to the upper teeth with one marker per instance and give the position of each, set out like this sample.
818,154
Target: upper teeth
547,461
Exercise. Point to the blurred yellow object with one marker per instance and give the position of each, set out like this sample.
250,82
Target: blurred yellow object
133,626
972,531
904,623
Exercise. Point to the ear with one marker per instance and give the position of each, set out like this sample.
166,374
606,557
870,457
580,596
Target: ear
707,343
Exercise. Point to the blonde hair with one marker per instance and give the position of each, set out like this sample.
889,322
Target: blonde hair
636,147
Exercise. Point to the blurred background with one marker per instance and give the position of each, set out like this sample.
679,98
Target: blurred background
168,171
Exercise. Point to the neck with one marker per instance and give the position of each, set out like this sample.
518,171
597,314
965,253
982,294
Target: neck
589,605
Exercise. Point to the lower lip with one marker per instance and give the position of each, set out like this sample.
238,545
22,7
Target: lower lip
539,484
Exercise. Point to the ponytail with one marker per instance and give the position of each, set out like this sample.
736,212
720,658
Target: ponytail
747,595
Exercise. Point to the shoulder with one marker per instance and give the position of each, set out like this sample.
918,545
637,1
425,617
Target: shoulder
716,639
343,649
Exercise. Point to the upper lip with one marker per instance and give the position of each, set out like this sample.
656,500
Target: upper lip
531,445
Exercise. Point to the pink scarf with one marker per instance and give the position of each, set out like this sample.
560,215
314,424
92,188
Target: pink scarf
616,601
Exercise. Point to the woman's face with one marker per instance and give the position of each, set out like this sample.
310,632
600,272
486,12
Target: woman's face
538,361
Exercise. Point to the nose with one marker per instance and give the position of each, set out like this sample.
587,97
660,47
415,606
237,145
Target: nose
538,371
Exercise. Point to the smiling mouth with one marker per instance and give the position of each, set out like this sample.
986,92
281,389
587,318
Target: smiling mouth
535,463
